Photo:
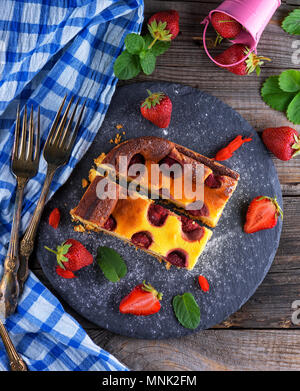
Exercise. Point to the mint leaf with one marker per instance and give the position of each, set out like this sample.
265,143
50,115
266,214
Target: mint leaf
273,95
293,111
148,61
134,43
127,66
291,23
187,310
111,263
289,80
148,40
160,47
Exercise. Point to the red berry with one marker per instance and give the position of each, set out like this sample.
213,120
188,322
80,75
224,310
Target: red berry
157,108
72,255
225,25
234,54
142,300
171,30
64,273
54,218
283,142
204,285
262,214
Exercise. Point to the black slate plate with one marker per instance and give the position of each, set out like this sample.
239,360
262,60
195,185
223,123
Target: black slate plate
234,263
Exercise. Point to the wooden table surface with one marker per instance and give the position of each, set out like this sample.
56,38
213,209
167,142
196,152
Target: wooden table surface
261,335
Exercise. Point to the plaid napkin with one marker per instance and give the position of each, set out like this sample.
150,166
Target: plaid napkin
48,49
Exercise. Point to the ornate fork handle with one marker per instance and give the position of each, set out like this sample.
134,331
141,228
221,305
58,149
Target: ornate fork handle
9,287
27,243
15,360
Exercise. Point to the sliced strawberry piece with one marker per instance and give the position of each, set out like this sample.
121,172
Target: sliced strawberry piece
142,300
262,214
204,285
54,218
64,273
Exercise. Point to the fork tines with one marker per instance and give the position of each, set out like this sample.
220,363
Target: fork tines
60,135
26,149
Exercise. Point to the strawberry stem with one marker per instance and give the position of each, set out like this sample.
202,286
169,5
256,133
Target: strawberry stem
275,202
49,249
152,43
149,288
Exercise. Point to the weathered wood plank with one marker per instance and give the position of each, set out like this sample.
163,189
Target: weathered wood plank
209,351
270,307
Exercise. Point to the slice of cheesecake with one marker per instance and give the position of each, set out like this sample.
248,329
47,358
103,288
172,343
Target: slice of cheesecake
218,180
177,240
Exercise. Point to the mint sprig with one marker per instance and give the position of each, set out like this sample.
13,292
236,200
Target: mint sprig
282,93
111,263
187,310
140,54
291,23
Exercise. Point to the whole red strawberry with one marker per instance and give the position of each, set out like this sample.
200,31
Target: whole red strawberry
71,256
234,54
164,25
142,300
283,142
225,25
157,108
262,214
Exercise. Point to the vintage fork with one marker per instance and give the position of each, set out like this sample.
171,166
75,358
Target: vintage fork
25,161
57,151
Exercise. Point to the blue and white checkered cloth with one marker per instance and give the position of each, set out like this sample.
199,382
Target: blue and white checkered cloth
48,49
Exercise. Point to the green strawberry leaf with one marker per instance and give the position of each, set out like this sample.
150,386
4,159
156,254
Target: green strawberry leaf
148,61
187,310
273,95
64,248
127,66
291,23
111,263
293,111
289,80
134,43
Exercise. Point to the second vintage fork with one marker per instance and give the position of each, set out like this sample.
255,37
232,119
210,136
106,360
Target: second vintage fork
25,161
57,151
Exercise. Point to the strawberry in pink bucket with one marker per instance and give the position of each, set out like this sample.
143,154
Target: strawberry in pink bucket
253,16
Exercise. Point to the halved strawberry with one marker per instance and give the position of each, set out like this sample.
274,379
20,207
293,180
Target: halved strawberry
142,300
262,214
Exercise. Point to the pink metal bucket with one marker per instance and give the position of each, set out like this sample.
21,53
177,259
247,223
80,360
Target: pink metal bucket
253,15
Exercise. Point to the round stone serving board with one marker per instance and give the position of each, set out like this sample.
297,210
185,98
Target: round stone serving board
233,262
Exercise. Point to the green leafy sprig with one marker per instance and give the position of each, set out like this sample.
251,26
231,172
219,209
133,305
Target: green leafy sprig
291,23
187,310
282,93
111,263
140,53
